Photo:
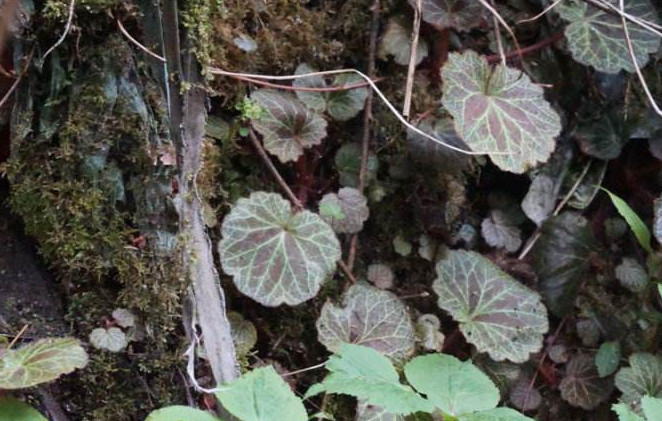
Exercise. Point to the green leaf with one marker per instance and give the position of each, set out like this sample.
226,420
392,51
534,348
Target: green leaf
605,137
643,377
287,127
499,110
244,334
331,210
276,256
637,226
625,413
561,259
396,42
652,408
340,105
369,376
581,386
180,413
354,210
596,37
111,339
14,410
40,362
370,317
608,358
497,314
496,414
262,395
348,163
632,275
461,15
454,386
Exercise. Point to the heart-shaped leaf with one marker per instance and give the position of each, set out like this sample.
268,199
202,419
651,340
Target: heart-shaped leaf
461,15
396,42
596,37
275,255
370,317
287,127
643,377
341,105
14,410
40,362
499,110
180,413
354,208
364,373
582,386
453,386
496,313
261,395
111,339
561,259
498,232
124,317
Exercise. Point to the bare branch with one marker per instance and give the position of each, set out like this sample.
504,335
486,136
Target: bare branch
67,28
412,59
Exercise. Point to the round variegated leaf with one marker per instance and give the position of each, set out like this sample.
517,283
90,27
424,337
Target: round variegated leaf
462,15
396,42
643,377
582,386
370,317
286,126
500,111
496,313
111,339
353,206
340,105
40,362
275,255
124,317
596,37
381,275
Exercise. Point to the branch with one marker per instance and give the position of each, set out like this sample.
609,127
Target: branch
412,60
67,28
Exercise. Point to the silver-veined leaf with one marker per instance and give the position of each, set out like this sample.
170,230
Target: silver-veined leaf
180,413
40,362
275,255
286,126
499,110
596,37
12,409
582,386
112,339
364,373
354,208
454,386
341,105
496,313
369,317
461,15
498,232
643,377
261,395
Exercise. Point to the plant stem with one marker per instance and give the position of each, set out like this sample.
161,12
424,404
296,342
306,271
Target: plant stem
530,49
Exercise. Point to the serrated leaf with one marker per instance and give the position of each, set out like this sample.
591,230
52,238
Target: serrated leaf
608,358
625,413
244,334
561,259
461,15
581,386
111,339
367,412
40,362
496,313
14,410
501,111
643,377
354,208
124,317
524,396
364,373
596,37
396,42
275,255
180,413
286,126
637,226
454,386
498,232
652,408
340,105
632,275
348,163
369,317
261,395
496,414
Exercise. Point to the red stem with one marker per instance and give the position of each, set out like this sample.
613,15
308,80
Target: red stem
494,58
